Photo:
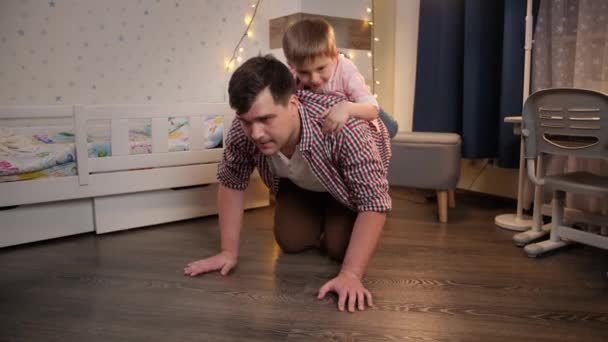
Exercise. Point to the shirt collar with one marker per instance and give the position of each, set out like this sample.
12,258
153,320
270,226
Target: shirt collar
307,133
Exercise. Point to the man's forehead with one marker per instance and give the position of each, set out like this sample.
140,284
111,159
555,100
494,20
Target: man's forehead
262,106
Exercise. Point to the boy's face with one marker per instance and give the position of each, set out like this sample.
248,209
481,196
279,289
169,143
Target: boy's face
271,126
316,72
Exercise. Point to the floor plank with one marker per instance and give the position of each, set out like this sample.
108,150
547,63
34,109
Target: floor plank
460,281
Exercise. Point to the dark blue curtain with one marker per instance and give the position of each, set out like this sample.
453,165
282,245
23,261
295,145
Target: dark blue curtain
470,72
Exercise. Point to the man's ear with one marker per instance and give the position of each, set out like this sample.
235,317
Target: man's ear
293,100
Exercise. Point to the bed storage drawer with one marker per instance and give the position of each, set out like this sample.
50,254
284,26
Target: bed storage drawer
35,222
113,213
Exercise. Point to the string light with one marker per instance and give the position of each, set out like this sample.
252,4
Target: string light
229,64
371,54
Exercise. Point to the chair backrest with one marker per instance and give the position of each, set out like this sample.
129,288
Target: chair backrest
565,121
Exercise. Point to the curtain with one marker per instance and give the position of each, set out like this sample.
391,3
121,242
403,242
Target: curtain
470,72
571,50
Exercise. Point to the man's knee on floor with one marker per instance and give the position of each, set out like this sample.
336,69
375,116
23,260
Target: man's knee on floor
336,251
288,245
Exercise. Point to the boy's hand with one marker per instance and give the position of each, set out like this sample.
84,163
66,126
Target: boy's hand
223,262
335,117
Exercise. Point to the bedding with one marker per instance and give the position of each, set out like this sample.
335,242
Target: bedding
35,152
62,170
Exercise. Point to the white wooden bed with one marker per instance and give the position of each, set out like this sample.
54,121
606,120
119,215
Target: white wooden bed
121,191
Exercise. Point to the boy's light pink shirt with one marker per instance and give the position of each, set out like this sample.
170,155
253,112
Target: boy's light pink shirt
347,81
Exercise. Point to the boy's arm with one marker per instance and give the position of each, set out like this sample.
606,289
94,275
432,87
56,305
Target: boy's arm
362,105
360,110
335,117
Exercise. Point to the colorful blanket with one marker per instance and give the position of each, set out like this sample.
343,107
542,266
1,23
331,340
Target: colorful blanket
51,151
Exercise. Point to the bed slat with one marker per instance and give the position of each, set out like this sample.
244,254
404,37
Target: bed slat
160,135
82,149
196,133
120,137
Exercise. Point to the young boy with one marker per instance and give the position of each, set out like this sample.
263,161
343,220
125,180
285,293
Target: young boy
310,48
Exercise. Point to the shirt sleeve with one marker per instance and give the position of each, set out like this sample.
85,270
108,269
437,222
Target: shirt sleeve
363,169
353,81
237,162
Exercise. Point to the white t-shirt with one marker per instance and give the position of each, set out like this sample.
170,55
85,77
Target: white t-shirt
297,170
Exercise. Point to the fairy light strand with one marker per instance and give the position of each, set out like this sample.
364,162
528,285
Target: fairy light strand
373,52
247,33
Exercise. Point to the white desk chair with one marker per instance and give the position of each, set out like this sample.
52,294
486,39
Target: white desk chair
569,122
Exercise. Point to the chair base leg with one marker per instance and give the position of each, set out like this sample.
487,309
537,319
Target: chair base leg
530,235
536,249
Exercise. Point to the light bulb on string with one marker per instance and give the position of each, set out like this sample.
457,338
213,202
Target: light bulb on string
236,57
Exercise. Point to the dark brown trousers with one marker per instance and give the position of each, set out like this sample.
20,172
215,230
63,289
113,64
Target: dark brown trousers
306,219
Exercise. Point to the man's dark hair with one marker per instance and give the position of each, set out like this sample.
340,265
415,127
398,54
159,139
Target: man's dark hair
255,75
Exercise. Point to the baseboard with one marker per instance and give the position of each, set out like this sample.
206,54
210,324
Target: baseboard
481,175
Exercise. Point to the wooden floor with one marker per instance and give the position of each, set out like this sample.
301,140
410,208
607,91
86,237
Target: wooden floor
462,281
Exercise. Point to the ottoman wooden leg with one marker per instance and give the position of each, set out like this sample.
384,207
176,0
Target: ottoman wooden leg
442,205
451,198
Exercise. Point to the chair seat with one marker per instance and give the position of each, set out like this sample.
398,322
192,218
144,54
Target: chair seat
579,182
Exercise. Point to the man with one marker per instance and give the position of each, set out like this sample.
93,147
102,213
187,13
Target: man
331,189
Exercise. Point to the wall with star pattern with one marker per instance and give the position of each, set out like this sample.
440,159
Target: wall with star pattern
114,51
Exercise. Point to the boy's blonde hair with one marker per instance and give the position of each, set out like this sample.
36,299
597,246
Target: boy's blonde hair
307,39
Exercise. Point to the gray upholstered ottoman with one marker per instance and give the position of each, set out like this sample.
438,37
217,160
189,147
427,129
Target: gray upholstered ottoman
427,161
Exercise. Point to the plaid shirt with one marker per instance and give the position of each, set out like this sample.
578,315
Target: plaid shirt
352,165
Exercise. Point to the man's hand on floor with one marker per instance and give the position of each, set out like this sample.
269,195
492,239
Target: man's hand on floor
223,261
350,291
